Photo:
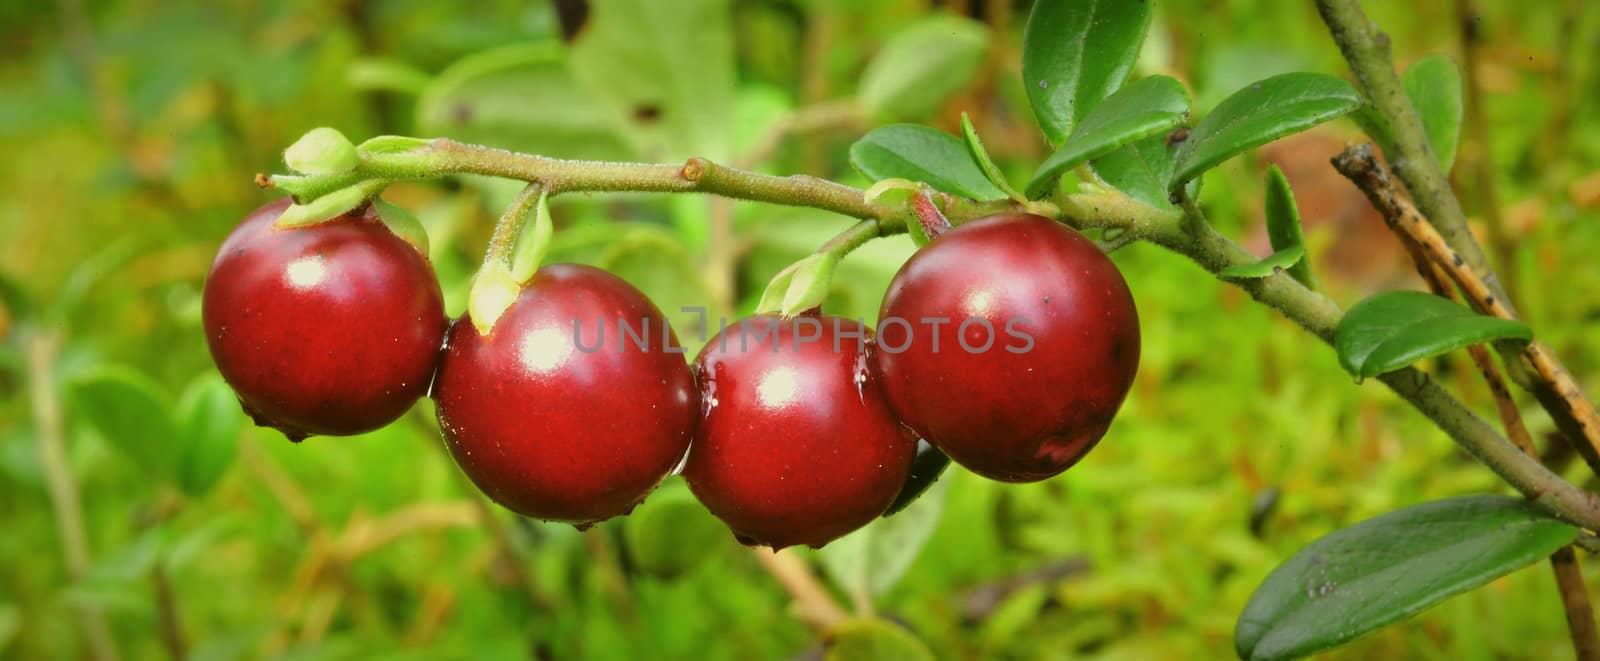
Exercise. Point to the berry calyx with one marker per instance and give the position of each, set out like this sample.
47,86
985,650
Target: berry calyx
332,328
1009,343
576,402
796,444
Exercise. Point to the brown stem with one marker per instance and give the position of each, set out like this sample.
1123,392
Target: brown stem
171,621
812,602
1580,615
1357,163
65,503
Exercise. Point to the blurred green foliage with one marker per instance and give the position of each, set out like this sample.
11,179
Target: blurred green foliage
131,130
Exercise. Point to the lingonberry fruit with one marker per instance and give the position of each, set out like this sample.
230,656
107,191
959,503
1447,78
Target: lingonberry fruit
332,328
1009,342
576,403
796,444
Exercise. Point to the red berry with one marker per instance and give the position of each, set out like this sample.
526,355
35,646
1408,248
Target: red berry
1037,348
796,444
328,329
575,405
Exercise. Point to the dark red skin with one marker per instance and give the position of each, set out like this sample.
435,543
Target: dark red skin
795,445
330,329
567,435
1015,417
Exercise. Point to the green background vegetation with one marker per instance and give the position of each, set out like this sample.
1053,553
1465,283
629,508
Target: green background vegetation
131,131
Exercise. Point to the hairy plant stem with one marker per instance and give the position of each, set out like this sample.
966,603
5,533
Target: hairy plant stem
697,175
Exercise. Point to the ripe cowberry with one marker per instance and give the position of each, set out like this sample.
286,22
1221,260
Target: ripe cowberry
1009,342
576,403
796,444
332,328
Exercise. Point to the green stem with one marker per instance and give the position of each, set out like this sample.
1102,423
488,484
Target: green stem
857,235
697,175
1367,51
503,242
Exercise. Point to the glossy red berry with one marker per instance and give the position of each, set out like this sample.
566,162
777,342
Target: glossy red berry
796,444
328,329
1009,343
577,403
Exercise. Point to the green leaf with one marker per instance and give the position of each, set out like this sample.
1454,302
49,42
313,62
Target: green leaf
873,639
802,286
522,97
1260,113
1394,329
132,414
1152,106
1433,84
985,162
533,236
1283,224
921,153
1388,568
1142,170
209,419
670,532
1283,259
402,223
1077,52
871,560
922,65
667,66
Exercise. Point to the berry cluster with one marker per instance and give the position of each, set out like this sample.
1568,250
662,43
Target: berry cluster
800,436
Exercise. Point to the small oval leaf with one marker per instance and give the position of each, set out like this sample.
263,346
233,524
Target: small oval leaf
133,415
986,164
1394,329
1144,108
1283,224
209,420
1433,84
1391,567
1260,113
922,65
1281,260
1075,53
921,153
